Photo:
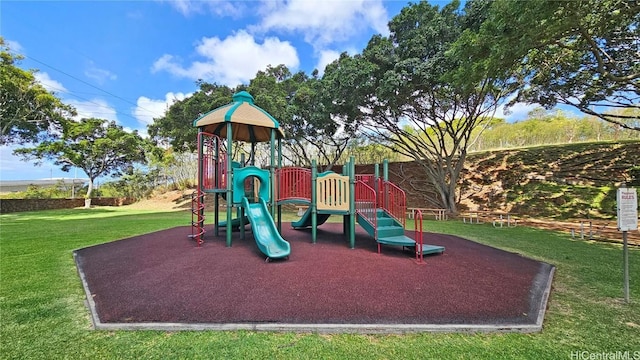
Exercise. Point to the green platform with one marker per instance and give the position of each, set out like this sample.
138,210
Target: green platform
391,232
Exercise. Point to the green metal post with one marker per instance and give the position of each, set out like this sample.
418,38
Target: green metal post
352,203
240,209
314,210
385,178
272,172
229,178
385,170
216,216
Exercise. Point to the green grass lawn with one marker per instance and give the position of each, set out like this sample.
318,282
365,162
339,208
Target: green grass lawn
43,316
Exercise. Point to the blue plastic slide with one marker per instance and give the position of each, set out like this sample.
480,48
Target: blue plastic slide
305,220
264,230
235,223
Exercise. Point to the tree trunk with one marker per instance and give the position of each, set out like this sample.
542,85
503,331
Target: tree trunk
87,198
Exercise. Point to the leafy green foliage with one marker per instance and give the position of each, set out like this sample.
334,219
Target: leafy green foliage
365,151
410,90
98,147
543,128
578,53
295,100
137,184
176,126
634,173
28,112
550,181
40,192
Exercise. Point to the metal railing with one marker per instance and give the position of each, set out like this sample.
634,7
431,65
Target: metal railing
366,207
394,201
293,183
213,162
370,180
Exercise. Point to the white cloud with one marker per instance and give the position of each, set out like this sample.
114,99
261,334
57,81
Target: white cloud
217,7
48,83
98,74
326,57
95,108
148,109
14,46
517,112
323,22
185,7
233,60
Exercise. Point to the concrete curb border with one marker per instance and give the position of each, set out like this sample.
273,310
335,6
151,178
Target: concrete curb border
543,282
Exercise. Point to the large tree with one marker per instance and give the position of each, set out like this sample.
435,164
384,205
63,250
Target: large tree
581,53
97,147
28,112
411,90
294,100
175,128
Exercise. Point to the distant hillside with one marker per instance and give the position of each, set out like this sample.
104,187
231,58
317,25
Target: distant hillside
559,181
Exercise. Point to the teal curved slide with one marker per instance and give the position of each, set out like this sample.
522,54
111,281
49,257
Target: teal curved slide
264,230
235,223
305,220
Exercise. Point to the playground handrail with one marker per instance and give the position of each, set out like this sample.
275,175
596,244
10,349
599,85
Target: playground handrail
394,201
366,207
213,160
417,227
370,180
293,183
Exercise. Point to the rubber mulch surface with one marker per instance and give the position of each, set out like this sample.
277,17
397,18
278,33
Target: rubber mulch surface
163,277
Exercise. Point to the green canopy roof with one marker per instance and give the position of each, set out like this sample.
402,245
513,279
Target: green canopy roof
248,121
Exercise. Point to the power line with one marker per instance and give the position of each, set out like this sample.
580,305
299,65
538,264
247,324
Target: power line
91,102
89,84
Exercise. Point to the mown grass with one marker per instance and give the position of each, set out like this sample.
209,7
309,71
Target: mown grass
42,312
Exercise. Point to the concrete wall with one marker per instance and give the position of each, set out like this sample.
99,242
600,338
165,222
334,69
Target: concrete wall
19,205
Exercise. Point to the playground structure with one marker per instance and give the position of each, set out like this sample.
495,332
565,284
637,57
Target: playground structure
372,201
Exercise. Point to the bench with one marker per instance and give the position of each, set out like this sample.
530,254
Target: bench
302,209
498,219
439,214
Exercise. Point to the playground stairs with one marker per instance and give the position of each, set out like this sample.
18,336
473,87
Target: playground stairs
391,232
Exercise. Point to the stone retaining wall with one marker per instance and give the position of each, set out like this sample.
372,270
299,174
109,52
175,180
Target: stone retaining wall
19,205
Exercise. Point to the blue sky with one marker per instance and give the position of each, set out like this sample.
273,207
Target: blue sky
128,60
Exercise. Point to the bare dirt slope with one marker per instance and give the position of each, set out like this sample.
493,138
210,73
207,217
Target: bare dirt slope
175,200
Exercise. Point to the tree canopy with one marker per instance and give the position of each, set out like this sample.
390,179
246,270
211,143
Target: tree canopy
98,147
429,89
176,127
581,53
28,112
407,91
295,100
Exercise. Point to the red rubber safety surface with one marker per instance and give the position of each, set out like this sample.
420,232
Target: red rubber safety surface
164,277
